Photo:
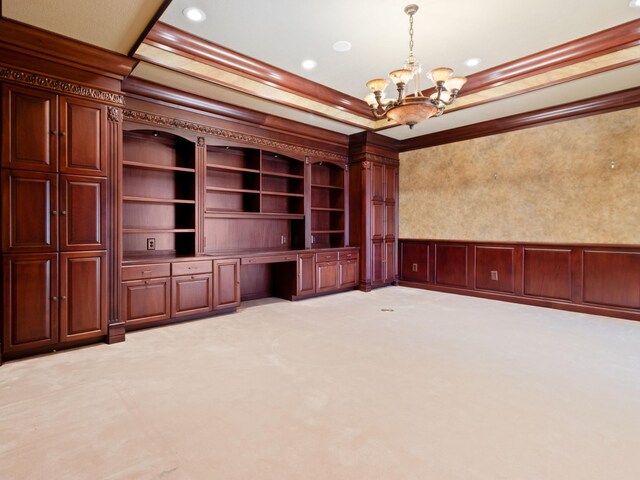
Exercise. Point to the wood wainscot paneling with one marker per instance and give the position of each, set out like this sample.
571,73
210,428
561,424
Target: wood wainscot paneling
595,279
495,269
452,265
611,278
547,273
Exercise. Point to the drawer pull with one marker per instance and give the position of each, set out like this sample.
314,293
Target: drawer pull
193,277
147,271
146,282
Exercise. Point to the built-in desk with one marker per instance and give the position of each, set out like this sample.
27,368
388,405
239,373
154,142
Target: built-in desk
159,289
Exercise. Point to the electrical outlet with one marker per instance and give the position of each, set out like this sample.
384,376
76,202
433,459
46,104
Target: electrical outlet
414,267
494,275
151,243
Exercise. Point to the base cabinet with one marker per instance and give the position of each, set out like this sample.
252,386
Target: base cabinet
348,273
83,299
226,283
306,274
191,295
30,301
146,301
327,276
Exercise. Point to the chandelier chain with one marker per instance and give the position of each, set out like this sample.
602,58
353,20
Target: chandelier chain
411,35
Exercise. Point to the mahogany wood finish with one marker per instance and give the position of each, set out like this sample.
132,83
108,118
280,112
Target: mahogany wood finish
191,294
306,274
83,296
83,137
30,128
30,301
610,102
598,279
146,301
226,284
30,211
348,276
495,269
182,43
83,219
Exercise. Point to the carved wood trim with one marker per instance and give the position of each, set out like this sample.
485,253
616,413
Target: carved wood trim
159,120
28,78
380,159
113,114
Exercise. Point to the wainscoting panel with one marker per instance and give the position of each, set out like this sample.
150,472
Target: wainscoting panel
495,269
451,263
596,279
547,273
611,278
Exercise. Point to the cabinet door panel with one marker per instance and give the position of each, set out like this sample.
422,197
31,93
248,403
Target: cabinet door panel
377,220
192,294
83,137
327,276
83,202
390,183
146,301
389,262
30,301
29,203
377,262
390,221
306,274
29,129
377,181
83,296
348,273
226,284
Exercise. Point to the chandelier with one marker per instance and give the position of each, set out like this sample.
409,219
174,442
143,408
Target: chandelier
414,108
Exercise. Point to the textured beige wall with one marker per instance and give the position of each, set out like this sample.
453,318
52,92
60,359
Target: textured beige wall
546,184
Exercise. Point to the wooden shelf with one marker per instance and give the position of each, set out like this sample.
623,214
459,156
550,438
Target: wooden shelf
283,194
232,190
157,200
284,175
231,169
327,209
326,231
332,187
254,215
158,230
151,166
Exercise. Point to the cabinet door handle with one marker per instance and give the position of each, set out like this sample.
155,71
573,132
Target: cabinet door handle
54,299
54,212
64,134
146,282
63,298
63,212
53,132
193,277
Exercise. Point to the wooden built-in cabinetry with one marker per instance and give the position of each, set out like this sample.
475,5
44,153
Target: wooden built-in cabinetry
54,213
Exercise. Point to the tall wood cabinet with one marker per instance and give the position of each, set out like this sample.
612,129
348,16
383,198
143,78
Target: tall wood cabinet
374,208
54,213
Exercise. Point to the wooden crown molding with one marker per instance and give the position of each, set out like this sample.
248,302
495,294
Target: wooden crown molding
226,111
61,86
182,43
52,47
582,108
600,43
261,142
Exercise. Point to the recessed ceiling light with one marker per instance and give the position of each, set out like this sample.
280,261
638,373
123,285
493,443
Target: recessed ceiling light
342,46
634,3
194,14
472,62
309,64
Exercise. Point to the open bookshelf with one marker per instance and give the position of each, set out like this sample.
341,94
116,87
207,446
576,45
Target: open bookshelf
158,201
327,205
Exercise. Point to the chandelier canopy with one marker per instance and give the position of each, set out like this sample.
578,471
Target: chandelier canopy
413,108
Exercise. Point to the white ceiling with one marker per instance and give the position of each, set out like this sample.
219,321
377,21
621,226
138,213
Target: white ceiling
285,32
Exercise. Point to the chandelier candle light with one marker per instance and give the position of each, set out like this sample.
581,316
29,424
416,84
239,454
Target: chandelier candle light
412,109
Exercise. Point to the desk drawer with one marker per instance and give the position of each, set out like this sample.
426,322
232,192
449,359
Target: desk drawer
348,254
269,259
140,272
191,268
327,257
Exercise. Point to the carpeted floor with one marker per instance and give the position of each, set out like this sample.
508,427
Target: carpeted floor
442,387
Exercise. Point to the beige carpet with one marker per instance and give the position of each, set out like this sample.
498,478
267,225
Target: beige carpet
442,387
